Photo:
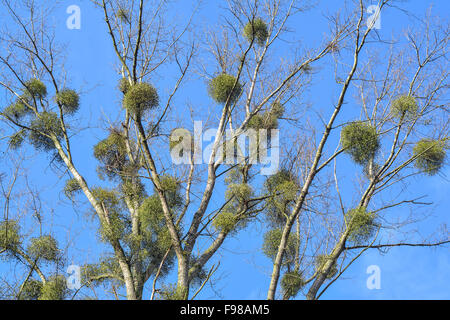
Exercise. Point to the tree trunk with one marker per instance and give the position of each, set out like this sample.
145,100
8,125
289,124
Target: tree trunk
123,263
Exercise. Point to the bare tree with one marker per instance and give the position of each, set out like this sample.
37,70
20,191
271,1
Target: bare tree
392,109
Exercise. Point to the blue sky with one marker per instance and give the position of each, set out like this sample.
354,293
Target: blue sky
406,273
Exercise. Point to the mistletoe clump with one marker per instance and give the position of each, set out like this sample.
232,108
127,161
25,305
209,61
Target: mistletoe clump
108,198
272,240
36,89
112,226
277,109
93,273
155,233
282,186
225,222
72,186
404,106
256,30
124,85
151,211
112,229
31,290
106,270
133,190
169,183
44,247
163,244
237,195
46,125
111,152
282,176
360,141
240,192
291,283
9,235
54,289
17,110
430,155
140,97
224,87
69,100
321,260
171,292
267,120
360,224
283,189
